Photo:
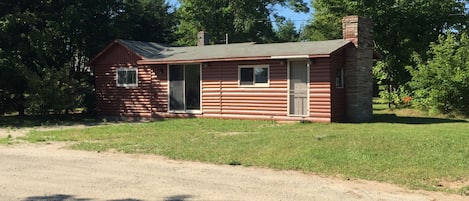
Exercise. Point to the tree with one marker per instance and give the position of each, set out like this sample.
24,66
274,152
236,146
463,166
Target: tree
441,84
286,31
145,20
400,29
243,20
45,46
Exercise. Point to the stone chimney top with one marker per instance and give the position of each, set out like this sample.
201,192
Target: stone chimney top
202,38
357,29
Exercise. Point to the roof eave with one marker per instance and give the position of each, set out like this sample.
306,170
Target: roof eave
157,61
93,60
350,43
147,62
129,49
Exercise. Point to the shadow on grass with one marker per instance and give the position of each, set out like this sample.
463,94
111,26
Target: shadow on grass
392,118
47,120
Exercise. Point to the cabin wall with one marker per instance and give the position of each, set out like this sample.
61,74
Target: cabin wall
160,89
320,90
222,97
113,101
338,102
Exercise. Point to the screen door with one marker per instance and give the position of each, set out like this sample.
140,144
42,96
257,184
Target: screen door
298,88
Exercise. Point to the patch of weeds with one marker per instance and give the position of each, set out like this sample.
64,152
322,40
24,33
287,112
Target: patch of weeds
6,140
38,138
104,121
234,163
464,191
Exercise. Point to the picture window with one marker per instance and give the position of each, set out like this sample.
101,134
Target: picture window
254,75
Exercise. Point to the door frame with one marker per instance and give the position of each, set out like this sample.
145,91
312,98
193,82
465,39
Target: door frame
185,111
308,82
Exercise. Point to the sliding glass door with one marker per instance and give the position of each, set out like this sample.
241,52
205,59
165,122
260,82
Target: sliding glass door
184,88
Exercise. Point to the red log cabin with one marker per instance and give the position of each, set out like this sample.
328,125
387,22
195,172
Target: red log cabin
322,81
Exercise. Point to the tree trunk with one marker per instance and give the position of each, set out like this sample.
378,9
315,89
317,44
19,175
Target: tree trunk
20,107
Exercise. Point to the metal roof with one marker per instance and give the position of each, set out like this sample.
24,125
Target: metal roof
154,52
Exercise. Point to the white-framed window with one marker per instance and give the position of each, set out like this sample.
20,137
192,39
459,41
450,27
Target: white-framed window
339,78
253,75
127,77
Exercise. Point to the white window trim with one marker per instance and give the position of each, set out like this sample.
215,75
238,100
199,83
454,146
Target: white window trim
254,84
127,69
185,111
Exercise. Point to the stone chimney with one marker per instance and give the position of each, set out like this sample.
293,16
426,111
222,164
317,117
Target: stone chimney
358,70
202,38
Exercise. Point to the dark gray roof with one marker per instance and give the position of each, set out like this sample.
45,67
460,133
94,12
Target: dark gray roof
145,49
157,52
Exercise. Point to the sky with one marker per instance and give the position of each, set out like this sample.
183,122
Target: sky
300,19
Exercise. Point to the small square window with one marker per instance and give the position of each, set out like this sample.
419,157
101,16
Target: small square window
127,77
254,75
339,78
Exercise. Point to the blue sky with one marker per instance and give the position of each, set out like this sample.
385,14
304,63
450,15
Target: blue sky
299,19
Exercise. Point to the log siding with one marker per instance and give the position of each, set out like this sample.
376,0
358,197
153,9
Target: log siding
221,94
112,101
320,90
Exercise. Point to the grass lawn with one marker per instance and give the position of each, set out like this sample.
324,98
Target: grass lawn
414,151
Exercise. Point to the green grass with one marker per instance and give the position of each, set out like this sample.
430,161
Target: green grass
416,152
4,141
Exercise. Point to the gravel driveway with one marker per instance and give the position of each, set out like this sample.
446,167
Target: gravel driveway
49,172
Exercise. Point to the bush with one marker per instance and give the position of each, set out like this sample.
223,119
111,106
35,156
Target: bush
442,83
54,91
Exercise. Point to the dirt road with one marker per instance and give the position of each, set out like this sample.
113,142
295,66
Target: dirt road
43,172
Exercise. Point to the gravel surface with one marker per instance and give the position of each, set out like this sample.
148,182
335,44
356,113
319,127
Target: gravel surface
41,172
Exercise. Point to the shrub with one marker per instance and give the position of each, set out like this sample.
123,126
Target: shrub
442,83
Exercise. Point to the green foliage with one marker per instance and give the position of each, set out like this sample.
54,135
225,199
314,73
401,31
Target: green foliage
242,20
412,151
400,29
45,46
441,84
145,20
394,97
286,31
54,91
